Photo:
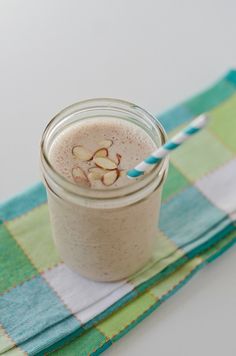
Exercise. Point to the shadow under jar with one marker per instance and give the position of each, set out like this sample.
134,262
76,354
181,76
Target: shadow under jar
104,234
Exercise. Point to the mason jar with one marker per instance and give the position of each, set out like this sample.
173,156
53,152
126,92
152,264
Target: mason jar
105,235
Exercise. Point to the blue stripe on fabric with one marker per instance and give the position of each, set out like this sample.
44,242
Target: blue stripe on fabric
57,334
178,218
171,145
231,77
152,160
23,202
175,117
191,130
206,241
35,307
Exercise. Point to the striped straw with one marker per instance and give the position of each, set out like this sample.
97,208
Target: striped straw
195,126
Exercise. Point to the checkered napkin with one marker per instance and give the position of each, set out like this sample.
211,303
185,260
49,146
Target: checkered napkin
45,307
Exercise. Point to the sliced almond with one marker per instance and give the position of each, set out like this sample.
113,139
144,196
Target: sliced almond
118,159
105,163
96,173
97,170
102,152
110,177
92,177
122,173
105,143
82,153
79,176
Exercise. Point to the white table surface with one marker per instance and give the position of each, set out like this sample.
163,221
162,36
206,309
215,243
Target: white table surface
154,53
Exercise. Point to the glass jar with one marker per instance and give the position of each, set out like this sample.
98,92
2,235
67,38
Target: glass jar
105,235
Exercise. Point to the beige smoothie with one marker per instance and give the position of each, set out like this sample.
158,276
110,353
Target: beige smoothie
103,241
90,151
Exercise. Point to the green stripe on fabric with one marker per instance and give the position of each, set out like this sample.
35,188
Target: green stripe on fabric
231,77
120,320
194,160
223,123
23,202
210,254
32,231
10,257
210,98
85,345
175,182
160,289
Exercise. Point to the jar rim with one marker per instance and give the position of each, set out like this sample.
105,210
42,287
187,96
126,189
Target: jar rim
51,176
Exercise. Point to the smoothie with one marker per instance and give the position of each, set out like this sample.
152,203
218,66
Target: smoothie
97,152
98,238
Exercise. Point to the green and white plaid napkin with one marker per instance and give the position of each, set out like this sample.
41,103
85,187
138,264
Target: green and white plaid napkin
45,307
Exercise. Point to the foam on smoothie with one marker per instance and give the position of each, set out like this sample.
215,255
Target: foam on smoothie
129,141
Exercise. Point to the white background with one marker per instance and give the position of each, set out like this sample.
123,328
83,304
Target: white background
154,53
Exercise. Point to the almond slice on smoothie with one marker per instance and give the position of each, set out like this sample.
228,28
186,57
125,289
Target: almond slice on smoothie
102,152
80,176
105,143
110,177
82,153
95,173
105,163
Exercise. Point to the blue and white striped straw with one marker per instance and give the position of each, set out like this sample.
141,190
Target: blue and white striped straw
195,126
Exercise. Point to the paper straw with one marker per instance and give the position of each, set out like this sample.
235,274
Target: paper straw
195,126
